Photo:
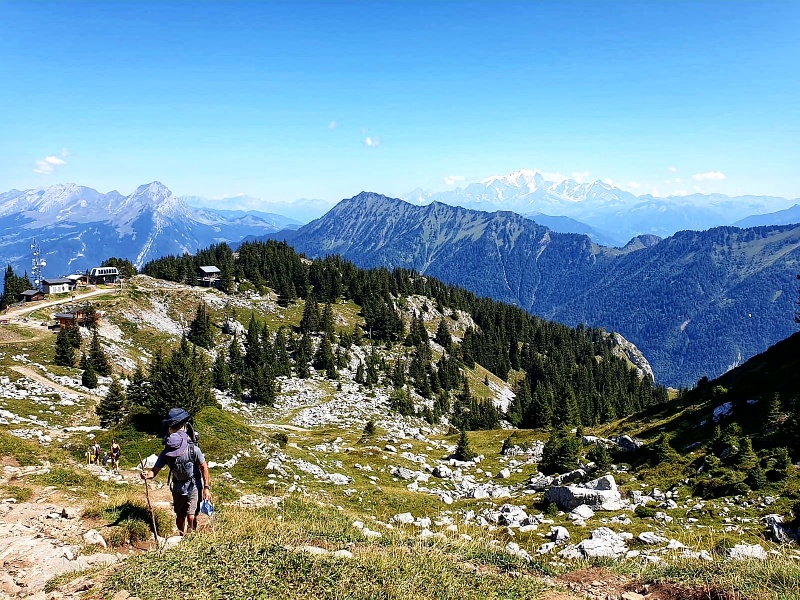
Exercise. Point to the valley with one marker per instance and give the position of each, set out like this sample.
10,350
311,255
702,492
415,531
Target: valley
333,482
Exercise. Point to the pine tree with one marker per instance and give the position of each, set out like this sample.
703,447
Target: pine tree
443,337
138,392
360,373
221,373
309,323
600,456
183,379
283,364
74,335
561,452
97,358
200,332
747,459
302,357
463,451
89,377
65,352
112,408
262,388
324,359
235,358
326,321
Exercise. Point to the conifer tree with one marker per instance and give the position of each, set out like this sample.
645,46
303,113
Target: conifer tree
309,323
183,379
112,409
443,337
282,362
74,335
254,356
89,377
200,332
235,358
65,352
561,452
463,451
262,389
221,374
326,321
324,359
97,357
301,358
138,393
236,387
360,377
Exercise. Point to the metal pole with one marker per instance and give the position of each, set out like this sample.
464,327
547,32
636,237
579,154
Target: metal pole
149,506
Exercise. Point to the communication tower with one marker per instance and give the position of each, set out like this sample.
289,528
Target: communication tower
38,264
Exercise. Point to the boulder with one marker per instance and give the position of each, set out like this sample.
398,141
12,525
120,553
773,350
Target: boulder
627,443
581,512
403,518
93,538
403,473
504,474
648,537
776,531
442,471
539,482
723,410
600,494
604,543
746,551
570,477
559,534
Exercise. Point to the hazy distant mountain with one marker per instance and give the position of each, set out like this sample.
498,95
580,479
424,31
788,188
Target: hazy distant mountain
603,207
782,217
567,225
298,211
77,227
696,303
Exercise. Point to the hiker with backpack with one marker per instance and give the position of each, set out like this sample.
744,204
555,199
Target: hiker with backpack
188,470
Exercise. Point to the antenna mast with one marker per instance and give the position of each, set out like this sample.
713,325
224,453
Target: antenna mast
38,264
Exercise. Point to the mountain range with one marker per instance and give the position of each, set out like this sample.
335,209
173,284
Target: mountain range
78,227
611,215
696,303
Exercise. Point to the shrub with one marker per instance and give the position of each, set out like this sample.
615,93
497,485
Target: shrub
280,438
644,512
600,456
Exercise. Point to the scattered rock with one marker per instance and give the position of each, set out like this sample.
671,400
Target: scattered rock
93,538
747,551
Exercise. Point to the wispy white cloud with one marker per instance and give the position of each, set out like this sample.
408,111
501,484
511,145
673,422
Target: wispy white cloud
672,169
580,177
632,185
680,193
372,141
710,176
333,125
555,177
608,181
48,164
453,179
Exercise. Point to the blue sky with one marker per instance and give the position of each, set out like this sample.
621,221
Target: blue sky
323,100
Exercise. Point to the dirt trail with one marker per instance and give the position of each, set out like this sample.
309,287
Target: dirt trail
28,372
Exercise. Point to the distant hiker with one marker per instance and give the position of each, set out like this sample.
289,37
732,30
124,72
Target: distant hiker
188,470
116,453
98,452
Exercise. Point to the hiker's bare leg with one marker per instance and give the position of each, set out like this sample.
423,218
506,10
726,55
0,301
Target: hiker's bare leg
192,523
180,522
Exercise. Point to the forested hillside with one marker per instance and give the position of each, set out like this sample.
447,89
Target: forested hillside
562,376
696,304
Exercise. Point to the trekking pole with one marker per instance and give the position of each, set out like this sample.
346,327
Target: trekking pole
149,506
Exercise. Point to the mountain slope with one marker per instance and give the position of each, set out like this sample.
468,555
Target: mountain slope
696,304
782,217
78,227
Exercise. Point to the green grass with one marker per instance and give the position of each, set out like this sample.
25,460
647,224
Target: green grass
19,493
251,555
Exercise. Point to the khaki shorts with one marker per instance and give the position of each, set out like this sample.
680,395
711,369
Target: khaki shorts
186,505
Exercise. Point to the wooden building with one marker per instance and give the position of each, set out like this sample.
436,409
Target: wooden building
208,275
31,295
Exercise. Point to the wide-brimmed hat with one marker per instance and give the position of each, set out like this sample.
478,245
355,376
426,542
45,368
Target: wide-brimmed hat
176,443
175,416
